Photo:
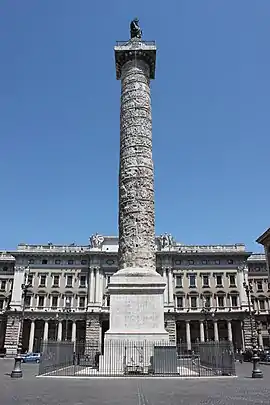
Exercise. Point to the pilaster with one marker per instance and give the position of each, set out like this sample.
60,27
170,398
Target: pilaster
16,297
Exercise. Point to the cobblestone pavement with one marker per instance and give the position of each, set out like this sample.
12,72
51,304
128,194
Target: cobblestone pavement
138,391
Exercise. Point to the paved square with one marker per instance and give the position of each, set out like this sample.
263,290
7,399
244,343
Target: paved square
133,391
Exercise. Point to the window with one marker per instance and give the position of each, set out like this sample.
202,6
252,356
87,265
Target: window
83,281
217,261
3,285
56,281
232,280
191,262
207,301
54,302
41,301
192,280
83,262
179,281
219,280
205,281
70,261
27,301
234,301
5,268
44,261
230,261
68,302
42,281
82,302
220,301
31,261
259,285
262,305
179,302
69,281
30,279
193,302
57,261
1,304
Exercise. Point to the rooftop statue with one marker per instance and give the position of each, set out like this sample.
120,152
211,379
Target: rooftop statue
135,30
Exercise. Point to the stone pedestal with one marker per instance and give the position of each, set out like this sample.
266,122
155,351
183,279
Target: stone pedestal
136,320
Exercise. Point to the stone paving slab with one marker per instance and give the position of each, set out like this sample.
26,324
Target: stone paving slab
30,390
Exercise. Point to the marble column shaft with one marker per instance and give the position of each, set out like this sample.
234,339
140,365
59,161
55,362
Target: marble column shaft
216,335
136,175
229,326
188,337
59,331
97,291
170,285
202,331
92,285
31,336
73,335
45,330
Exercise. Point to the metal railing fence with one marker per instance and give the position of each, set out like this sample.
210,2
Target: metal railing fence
138,358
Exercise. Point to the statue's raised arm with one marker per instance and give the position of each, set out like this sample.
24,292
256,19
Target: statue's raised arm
135,30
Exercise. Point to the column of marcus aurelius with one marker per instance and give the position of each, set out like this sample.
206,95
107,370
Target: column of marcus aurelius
136,290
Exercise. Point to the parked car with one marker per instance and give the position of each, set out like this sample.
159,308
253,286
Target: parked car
265,356
31,358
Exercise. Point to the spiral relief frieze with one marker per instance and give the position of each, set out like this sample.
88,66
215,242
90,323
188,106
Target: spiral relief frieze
136,180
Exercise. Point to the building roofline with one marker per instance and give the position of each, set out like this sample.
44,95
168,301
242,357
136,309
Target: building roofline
263,237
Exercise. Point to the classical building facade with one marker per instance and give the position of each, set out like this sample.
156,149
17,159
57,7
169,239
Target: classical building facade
66,295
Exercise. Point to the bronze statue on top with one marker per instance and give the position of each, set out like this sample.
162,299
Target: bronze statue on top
135,30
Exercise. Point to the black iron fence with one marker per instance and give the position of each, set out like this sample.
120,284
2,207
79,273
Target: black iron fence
137,359
55,356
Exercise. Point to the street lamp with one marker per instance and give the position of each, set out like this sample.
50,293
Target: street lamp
207,313
256,372
67,311
17,370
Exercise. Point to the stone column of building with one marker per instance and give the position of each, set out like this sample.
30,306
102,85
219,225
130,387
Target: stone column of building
170,286
201,331
229,326
45,330
59,331
216,334
164,271
101,286
31,336
260,339
188,337
73,333
92,285
97,291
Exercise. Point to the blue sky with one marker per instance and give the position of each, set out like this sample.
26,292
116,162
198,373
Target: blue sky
59,118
